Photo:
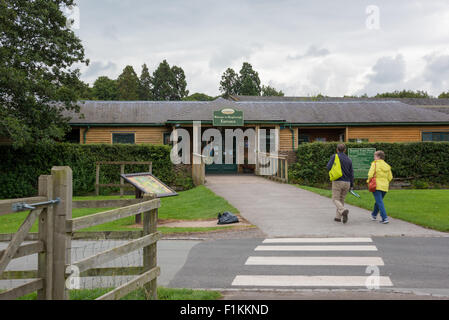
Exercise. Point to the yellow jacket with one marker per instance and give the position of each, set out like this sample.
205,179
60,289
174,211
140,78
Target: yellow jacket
383,174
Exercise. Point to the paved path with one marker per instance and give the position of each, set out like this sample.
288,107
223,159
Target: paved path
283,210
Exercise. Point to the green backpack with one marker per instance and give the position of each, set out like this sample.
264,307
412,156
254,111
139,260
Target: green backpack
335,172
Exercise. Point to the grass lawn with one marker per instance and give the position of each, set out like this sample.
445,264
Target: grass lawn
427,208
194,204
163,294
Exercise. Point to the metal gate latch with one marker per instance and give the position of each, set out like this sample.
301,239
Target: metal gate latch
21,206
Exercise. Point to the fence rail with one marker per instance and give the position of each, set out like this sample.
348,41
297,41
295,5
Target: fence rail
6,205
273,166
42,277
56,229
148,242
122,165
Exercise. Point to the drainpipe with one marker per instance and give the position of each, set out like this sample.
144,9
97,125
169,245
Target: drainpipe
293,136
85,133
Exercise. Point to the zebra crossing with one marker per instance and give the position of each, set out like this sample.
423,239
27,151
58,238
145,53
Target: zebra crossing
314,262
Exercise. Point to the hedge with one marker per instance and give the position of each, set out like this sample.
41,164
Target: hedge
20,168
422,163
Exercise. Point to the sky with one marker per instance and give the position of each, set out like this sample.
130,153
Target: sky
302,47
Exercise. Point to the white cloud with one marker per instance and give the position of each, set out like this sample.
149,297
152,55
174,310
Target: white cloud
299,46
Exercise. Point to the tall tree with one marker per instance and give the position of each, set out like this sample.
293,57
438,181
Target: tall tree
37,79
179,85
128,85
145,84
229,84
268,91
162,80
105,89
169,83
249,82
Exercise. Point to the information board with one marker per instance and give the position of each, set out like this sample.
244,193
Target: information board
361,161
147,183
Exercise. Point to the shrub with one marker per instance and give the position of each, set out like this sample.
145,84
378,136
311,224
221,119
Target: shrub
416,160
20,168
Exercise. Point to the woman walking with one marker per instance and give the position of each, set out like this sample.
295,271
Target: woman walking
381,172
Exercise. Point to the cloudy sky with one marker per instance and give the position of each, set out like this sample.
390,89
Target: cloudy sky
299,46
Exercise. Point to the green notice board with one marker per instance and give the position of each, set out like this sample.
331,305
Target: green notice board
228,117
361,161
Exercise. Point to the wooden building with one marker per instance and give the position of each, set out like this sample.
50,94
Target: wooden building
298,121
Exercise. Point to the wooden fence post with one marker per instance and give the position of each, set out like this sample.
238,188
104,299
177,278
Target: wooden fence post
62,188
45,259
150,252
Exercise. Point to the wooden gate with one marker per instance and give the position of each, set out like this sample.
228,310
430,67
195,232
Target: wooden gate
53,247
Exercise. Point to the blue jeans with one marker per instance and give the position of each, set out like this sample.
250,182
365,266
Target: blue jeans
379,205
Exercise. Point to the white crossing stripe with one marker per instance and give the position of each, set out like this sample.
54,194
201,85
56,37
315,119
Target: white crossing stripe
316,240
307,281
316,248
315,261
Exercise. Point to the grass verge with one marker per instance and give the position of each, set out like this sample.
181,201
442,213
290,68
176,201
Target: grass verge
427,208
162,292
194,204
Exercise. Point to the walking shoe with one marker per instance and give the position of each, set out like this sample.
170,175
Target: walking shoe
336,219
345,215
384,221
373,218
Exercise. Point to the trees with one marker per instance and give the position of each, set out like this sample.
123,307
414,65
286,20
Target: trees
268,91
229,84
145,89
179,85
444,95
246,83
169,83
128,85
37,79
199,97
403,94
249,82
105,89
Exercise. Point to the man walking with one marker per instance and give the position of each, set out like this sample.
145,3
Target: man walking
342,185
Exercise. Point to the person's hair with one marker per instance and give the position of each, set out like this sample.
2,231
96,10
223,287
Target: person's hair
341,147
380,154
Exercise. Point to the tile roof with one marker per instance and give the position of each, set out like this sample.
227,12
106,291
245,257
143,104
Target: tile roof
305,112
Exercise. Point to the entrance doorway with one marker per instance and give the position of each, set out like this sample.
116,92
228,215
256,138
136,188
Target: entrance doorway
221,148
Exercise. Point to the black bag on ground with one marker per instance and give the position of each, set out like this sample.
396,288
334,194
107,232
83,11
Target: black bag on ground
226,218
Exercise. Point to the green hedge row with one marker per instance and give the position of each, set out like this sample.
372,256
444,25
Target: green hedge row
20,168
427,163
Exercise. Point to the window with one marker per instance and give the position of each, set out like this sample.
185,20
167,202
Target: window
303,138
123,138
167,138
359,140
435,136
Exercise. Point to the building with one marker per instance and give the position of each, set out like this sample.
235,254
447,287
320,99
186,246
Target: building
298,120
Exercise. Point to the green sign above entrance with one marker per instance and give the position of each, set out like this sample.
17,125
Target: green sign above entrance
361,161
228,117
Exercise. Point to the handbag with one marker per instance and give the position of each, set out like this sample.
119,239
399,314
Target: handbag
335,172
372,186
